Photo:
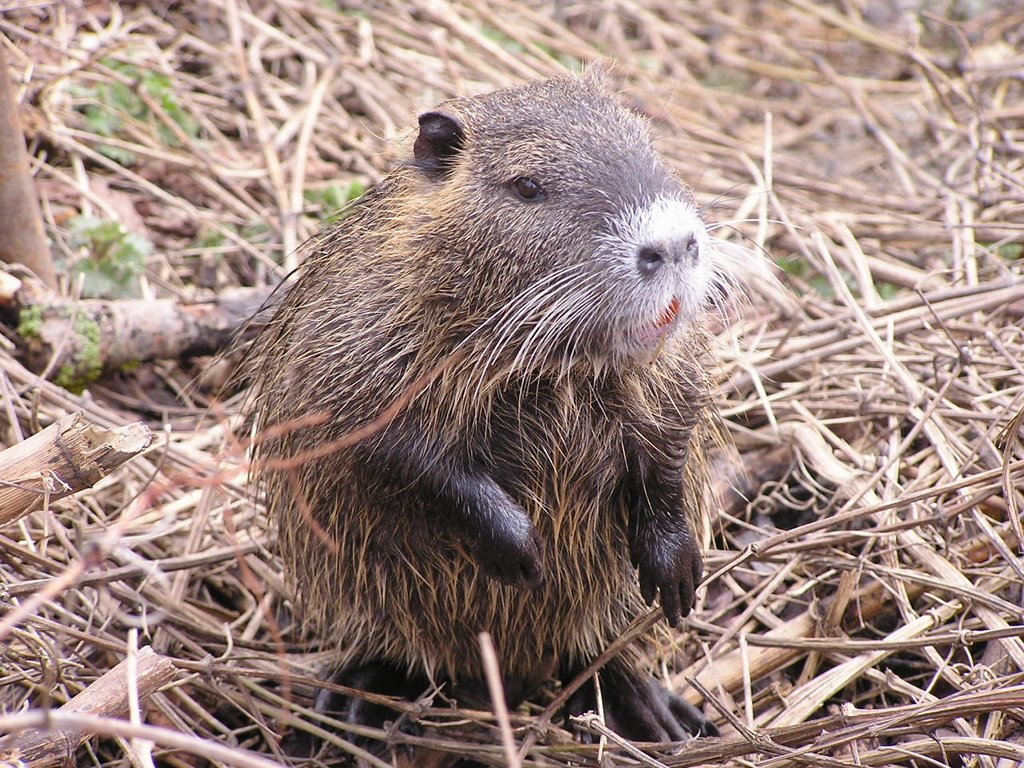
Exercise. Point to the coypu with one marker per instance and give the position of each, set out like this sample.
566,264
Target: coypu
530,282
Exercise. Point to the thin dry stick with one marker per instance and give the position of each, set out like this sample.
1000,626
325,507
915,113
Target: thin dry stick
316,100
106,726
492,671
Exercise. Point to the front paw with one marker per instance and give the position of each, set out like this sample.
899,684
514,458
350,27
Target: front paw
511,551
669,562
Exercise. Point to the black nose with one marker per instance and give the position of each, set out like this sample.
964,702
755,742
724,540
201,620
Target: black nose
689,250
652,258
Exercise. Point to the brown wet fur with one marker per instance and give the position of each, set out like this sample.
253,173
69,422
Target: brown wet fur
385,298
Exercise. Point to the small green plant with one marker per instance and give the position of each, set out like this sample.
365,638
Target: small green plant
886,290
30,322
726,79
81,351
115,258
799,268
513,46
86,366
1011,251
333,203
209,238
107,104
257,232
505,41
568,61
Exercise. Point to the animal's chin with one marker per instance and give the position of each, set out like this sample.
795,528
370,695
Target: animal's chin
650,337
639,339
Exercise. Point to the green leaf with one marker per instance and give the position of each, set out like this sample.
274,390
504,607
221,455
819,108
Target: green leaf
115,258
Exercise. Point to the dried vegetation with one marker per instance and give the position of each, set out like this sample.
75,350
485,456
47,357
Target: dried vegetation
864,606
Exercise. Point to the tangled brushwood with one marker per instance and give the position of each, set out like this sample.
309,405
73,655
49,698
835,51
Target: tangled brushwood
862,590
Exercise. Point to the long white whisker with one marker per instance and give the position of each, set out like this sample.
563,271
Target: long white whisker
524,315
538,347
514,315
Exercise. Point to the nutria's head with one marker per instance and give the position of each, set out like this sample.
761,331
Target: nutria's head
553,232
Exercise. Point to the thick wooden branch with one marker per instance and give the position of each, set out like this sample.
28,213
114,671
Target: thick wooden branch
106,697
22,239
66,457
76,342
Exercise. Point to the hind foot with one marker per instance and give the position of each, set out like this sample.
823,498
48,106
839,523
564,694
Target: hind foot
639,708
374,677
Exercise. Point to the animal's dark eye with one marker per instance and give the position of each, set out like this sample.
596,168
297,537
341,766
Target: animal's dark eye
527,189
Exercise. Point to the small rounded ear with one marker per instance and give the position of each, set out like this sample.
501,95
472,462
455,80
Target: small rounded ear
440,138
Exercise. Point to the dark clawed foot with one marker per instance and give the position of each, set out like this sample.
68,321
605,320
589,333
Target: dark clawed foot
300,744
582,701
375,677
640,709
669,563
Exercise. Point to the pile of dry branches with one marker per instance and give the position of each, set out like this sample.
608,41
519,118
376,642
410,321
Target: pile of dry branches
864,602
